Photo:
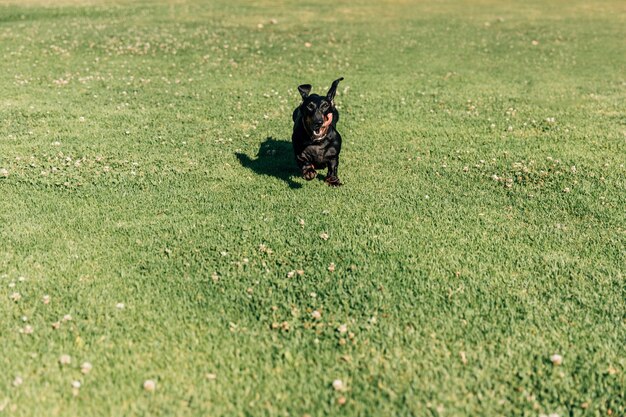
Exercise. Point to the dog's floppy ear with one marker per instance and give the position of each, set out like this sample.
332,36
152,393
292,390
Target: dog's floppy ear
304,90
333,89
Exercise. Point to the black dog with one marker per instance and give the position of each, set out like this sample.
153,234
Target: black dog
316,142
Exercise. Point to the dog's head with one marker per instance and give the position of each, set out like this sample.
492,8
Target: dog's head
317,111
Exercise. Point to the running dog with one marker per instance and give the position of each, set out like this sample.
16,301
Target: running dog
316,141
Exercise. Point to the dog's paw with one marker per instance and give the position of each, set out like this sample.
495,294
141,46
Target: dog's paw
309,174
333,181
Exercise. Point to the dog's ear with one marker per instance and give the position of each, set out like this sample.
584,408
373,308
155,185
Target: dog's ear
304,90
333,89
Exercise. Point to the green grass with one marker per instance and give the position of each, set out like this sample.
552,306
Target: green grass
145,157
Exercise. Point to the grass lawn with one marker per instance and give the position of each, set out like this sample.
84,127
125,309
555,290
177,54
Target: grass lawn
153,224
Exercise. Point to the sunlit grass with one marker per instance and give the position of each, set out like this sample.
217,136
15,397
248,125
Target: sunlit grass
160,254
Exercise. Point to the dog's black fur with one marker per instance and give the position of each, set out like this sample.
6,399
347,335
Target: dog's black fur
316,142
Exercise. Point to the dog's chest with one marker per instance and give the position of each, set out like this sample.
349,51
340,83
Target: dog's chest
320,154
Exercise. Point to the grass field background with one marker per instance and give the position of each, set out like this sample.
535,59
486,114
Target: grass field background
145,159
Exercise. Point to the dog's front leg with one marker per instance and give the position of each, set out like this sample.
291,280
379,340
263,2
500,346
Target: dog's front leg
308,169
331,176
309,172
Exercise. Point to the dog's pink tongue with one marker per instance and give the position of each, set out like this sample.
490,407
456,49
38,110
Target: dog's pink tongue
328,121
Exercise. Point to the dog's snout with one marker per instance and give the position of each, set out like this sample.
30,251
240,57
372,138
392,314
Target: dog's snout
318,120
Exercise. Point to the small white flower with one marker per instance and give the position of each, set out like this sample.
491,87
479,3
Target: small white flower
556,359
149,385
338,385
4,172
46,299
264,249
16,296
342,329
324,235
86,367
56,325
76,384
120,306
65,360
67,317
291,274
18,381
316,315
331,267
28,329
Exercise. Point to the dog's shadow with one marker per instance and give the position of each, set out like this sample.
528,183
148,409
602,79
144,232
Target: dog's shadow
275,158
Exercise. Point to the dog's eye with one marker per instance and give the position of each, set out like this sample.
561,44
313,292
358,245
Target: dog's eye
311,106
324,106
